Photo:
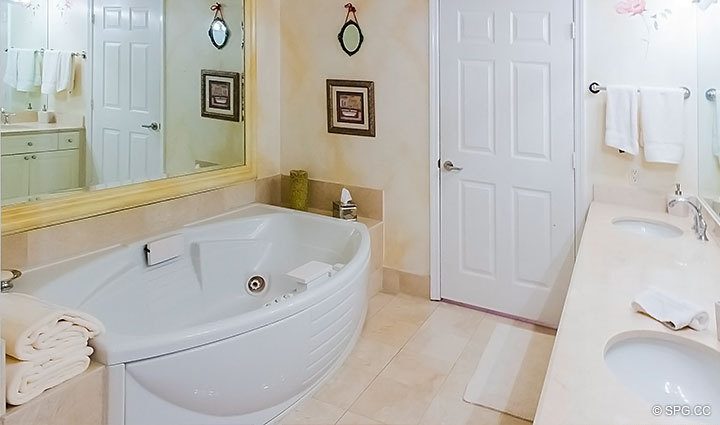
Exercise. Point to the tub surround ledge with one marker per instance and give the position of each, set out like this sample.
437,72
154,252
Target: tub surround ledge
612,267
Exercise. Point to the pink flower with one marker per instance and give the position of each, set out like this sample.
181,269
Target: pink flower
631,7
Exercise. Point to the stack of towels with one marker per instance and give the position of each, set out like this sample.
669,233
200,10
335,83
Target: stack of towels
651,118
46,345
52,71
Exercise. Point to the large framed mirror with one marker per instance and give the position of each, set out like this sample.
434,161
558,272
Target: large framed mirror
709,108
98,95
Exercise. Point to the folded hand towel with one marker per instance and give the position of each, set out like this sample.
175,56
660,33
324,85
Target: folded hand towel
51,64
34,330
11,68
671,311
27,380
662,117
66,72
25,70
621,119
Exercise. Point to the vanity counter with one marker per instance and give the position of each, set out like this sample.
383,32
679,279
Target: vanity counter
612,267
36,127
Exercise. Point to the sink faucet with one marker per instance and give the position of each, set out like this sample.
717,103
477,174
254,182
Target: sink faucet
5,116
700,226
7,278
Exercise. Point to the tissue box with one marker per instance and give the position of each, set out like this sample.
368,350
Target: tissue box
345,211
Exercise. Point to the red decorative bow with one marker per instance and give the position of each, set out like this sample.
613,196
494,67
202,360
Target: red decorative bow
351,9
217,8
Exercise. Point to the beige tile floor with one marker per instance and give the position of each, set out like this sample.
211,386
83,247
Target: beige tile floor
409,367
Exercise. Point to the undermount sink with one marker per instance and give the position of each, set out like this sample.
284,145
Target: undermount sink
666,369
646,227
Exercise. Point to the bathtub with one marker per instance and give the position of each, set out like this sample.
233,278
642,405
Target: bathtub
196,340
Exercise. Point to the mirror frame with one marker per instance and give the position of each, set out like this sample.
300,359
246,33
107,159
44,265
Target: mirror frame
212,38
36,215
342,41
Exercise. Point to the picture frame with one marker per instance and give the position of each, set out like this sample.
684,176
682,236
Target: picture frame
351,107
220,95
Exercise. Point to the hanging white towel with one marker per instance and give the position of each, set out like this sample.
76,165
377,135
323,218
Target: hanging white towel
38,69
662,118
51,64
35,330
27,380
670,310
11,68
621,119
66,72
25,70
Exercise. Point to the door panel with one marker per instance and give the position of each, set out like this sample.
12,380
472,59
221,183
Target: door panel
507,230
15,172
127,88
52,172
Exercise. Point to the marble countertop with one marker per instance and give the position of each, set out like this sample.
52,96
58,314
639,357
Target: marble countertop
35,127
612,267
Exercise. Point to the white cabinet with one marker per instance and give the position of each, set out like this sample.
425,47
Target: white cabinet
39,164
52,172
15,177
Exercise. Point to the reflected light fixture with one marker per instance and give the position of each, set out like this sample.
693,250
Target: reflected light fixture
63,5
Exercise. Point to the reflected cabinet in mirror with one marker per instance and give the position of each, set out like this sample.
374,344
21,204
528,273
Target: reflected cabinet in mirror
709,109
101,98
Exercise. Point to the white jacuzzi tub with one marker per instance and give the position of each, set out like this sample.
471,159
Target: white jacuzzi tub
187,343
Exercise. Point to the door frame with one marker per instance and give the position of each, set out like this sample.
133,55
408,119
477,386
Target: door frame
583,187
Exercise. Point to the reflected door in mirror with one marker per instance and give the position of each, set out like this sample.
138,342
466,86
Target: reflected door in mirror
127,93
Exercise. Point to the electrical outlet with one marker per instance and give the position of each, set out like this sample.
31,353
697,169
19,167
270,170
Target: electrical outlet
634,176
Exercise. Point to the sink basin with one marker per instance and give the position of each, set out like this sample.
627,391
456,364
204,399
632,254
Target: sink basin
646,227
665,369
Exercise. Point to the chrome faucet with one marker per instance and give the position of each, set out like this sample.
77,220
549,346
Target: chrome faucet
699,226
6,283
5,116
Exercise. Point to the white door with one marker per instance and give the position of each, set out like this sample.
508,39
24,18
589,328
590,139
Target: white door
126,144
506,107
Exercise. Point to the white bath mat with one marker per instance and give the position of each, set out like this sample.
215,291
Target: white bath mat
510,374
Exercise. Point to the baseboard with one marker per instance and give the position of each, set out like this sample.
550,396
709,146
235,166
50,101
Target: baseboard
400,282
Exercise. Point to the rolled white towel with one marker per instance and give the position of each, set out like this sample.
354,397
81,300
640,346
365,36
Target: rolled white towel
35,330
27,380
671,311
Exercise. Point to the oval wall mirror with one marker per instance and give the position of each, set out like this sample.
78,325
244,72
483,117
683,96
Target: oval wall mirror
219,33
351,37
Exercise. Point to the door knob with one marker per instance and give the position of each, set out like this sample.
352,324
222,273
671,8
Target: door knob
152,126
449,166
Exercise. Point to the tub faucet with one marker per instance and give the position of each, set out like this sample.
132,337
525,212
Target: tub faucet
6,281
5,116
699,226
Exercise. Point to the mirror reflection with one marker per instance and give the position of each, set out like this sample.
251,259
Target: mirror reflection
88,106
709,108
351,38
219,33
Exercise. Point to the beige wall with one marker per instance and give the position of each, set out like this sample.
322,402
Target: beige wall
189,137
395,56
616,52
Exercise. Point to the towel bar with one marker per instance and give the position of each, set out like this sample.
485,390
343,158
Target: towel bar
78,54
596,88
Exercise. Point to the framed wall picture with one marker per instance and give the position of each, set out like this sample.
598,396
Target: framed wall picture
351,107
220,94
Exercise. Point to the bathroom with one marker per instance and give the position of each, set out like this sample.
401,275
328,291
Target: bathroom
511,245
